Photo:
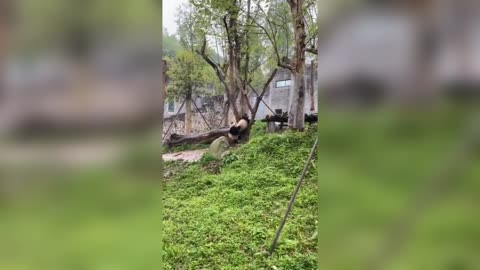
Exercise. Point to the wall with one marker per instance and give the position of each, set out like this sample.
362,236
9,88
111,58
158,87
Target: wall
210,107
279,98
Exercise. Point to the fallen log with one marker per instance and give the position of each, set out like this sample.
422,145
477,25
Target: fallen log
197,138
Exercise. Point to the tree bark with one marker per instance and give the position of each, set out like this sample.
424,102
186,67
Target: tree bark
6,25
226,111
164,78
312,86
296,112
207,137
163,93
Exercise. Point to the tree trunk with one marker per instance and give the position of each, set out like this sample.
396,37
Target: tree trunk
164,79
3,38
226,111
207,137
296,112
188,114
312,86
236,91
421,10
6,16
163,92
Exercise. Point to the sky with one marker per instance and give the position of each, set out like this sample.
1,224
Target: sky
169,14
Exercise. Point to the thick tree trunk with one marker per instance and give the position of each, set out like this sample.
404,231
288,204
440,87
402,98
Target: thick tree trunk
207,137
6,16
188,115
296,112
163,93
3,38
422,90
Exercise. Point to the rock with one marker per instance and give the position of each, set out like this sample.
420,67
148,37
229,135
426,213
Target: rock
225,153
218,147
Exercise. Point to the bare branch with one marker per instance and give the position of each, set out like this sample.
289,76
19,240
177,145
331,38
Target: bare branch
216,67
264,90
280,63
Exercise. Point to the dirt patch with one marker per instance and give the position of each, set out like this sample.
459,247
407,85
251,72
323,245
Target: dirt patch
188,156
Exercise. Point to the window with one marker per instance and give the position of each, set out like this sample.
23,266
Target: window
171,105
278,111
283,83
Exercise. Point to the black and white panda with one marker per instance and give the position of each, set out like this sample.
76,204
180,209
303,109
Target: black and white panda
239,128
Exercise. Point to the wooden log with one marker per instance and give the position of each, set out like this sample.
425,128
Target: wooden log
207,137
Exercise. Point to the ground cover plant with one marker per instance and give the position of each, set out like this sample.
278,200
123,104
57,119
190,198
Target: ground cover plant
371,166
227,220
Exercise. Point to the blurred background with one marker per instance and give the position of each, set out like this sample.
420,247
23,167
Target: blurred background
399,88
80,114
80,134
78,69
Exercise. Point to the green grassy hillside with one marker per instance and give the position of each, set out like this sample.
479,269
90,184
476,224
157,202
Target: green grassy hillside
224,214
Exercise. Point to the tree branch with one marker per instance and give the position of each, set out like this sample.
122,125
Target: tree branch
216,68
264,90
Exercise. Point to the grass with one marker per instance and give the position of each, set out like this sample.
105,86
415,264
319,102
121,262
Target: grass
227,219
100,219
370,168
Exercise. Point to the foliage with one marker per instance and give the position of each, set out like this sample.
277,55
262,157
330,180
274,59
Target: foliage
370,169
259,128
185,147
188,76
228,27
170,45
229,158
207,158
227,220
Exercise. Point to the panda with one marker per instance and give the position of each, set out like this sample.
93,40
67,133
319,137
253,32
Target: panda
239,128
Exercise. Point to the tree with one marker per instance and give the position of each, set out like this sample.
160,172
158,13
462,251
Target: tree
276,28
6,10
170,44
230,25
188,78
